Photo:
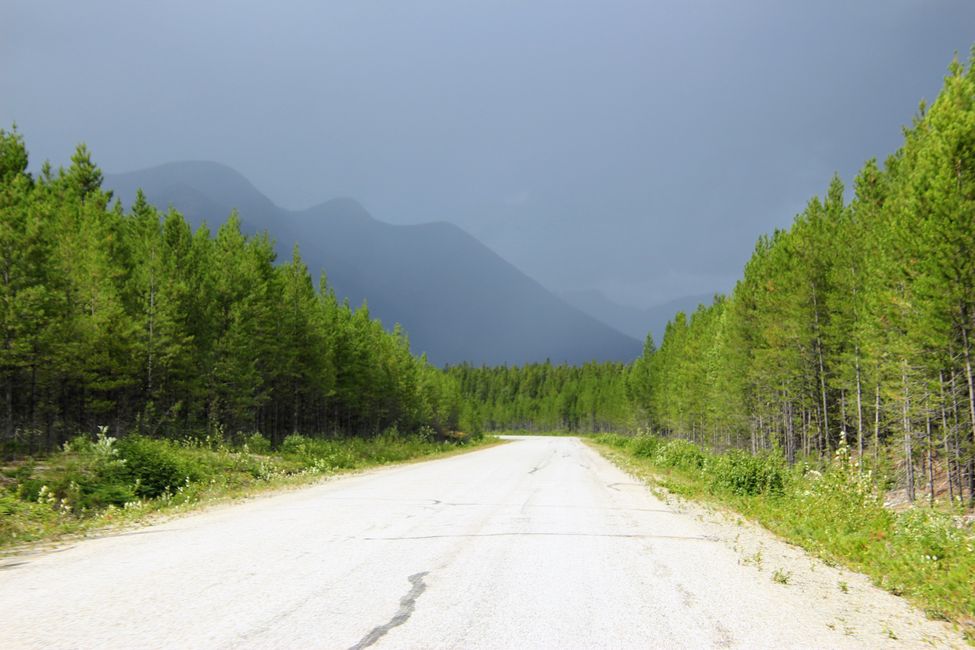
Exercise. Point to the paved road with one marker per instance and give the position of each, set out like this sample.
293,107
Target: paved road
536,543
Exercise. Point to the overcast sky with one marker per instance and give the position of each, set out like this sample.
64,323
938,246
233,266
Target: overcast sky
637,147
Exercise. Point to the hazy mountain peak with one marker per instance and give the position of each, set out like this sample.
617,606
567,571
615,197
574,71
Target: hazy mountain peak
219,183
456,298
340,208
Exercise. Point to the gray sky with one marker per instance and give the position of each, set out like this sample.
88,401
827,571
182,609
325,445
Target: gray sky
635,147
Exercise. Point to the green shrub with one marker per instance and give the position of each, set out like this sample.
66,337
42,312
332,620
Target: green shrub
617,440
680,454
644,446
22,520
87,475
157,466
935,535
332,454
744,474
295,445
258,444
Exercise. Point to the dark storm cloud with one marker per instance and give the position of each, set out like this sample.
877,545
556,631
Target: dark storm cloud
635,147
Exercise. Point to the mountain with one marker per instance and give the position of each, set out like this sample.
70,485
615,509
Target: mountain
457,299
632,320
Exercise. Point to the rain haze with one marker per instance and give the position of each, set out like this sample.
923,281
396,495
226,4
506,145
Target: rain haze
633,148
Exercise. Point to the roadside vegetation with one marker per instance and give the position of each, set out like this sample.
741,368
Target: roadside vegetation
834,510
98,482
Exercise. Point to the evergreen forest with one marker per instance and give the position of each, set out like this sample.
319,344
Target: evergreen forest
542,397
134,322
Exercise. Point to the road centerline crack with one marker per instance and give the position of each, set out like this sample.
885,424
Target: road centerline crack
406,606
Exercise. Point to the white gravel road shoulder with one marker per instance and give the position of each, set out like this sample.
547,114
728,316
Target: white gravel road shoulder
843,601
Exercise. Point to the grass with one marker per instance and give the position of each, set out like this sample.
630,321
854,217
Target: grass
923,554
96,484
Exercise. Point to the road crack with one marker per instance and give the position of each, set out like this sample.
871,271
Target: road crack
613,486
406,606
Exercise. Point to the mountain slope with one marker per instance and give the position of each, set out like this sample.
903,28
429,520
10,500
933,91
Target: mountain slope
457,299
634,321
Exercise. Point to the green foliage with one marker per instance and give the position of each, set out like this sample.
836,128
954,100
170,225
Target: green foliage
24,520
744,474
617,440
134,319
680,454
542,397
295,444
258,444
644,446
157,466
854,326
91,475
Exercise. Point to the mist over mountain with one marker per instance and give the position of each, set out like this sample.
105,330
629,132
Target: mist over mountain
631,320
457,299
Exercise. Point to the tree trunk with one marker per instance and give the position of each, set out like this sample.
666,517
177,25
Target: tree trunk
971,407
822,388
944,432
34,428
790,429
859,414
956,435
9,424
822,372
843,416
754,435
806,443
820,436
908,443
876,425
930,443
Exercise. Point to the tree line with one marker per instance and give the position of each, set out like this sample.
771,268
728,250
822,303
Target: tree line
132,320
853,326
545,397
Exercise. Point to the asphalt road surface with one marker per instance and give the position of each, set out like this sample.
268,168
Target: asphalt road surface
537,543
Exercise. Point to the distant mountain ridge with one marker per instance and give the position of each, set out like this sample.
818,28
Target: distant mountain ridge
457,300
632,320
